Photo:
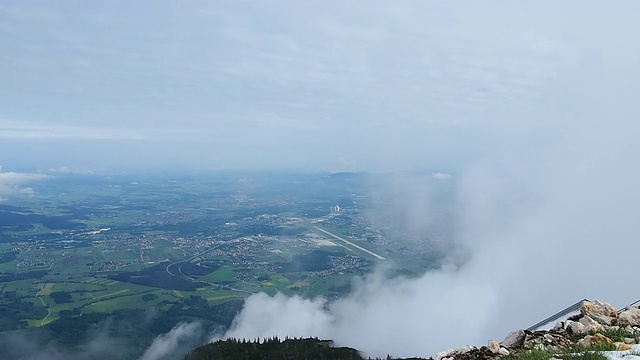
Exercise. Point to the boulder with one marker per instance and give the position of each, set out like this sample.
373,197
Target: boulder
622,346
597,308
631,317
494,346
514,339
603,320
595,341
577,328
590,324
503,352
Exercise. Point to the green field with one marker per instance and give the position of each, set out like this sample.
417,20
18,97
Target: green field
106,250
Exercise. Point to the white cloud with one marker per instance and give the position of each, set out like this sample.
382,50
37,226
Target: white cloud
12,183
441,176
73,170
537,229
396,82
164,346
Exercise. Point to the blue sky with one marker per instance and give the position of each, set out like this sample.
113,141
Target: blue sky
317,85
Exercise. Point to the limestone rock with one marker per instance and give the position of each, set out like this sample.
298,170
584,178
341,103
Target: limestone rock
590,324
548,338
631,316
622,346
514,339
578,328
595,317
597,340
603,320
453,352
595,308
494,346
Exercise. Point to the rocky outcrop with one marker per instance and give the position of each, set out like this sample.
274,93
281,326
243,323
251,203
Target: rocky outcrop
588,325
598,308
453,353
598,326
595,341
599,312
630,317
514,340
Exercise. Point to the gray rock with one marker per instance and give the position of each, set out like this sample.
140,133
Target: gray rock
631,316
632,330
590,324
514,339
453,352
549,338
578,328
603,319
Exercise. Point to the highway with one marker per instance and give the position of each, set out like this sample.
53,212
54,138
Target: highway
189,258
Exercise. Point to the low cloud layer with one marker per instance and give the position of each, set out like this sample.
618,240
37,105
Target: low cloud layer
173,344
30,346
534,233
12,183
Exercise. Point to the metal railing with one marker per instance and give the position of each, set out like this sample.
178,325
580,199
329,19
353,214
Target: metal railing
570,309
557,315
628,306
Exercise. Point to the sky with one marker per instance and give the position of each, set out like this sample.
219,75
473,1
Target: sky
331,85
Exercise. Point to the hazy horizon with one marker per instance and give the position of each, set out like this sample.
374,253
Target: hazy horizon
328,86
